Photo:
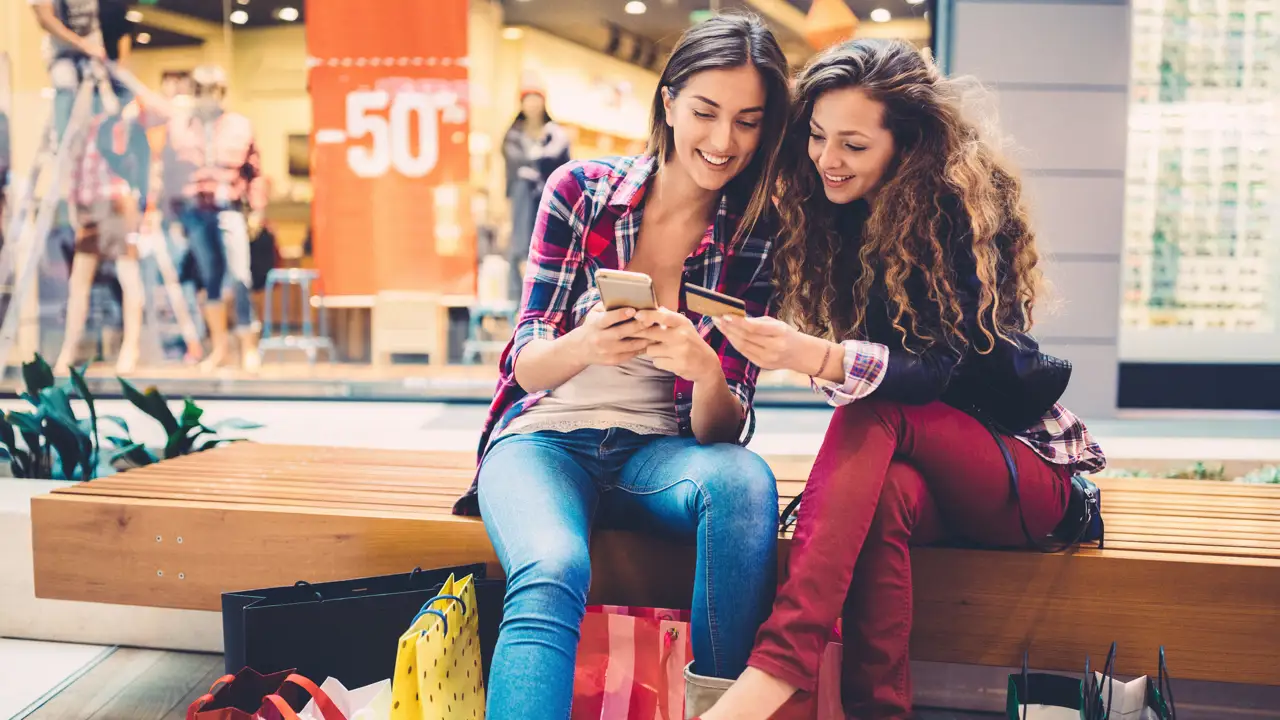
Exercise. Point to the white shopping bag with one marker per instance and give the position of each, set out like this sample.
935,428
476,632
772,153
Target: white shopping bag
1128,701
1047,712
371,702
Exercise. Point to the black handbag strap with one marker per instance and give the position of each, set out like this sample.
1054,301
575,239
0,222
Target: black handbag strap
1012,467
791,513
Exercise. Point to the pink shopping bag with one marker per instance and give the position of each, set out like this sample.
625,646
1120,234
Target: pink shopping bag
630,664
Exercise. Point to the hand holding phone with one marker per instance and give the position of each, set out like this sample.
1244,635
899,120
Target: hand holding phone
609,337
625,289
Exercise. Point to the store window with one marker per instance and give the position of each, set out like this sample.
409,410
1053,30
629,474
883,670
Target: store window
1202,229
333,198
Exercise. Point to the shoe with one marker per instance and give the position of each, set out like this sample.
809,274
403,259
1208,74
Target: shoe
701,692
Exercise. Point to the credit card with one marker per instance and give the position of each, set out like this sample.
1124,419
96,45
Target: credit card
711,303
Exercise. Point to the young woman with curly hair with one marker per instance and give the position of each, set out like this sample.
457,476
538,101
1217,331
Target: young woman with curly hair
908,264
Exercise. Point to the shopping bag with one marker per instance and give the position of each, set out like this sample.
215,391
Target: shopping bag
250,695
346,630
438,675
1141,698
630,664
371,702
1045,696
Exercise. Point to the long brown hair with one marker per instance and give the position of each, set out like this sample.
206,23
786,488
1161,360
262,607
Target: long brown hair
946,192
725,41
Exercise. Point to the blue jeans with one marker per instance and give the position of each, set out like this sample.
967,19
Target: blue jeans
207,258
540,494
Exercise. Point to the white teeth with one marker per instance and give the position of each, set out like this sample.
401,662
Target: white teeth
836,178
714,159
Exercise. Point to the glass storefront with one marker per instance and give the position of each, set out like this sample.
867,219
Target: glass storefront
323,198
1203,184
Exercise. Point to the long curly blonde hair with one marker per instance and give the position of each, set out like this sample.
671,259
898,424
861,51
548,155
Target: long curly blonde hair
945,192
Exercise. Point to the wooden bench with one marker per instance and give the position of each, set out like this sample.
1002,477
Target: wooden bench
1194,566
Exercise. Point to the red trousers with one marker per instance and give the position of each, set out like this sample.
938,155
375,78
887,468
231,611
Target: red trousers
889,476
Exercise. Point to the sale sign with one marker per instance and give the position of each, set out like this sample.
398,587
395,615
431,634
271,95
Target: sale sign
389,170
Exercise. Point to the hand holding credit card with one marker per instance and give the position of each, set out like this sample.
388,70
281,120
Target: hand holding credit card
711,303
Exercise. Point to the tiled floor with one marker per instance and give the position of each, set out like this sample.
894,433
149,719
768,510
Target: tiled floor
31,670
134,684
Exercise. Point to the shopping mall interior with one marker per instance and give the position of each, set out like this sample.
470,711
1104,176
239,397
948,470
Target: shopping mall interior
1159,229
374,258
409,310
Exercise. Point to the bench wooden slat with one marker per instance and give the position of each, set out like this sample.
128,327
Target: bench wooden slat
258,515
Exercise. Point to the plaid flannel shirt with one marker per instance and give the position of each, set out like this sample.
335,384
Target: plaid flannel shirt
590,219
221,162
1060,437
92,180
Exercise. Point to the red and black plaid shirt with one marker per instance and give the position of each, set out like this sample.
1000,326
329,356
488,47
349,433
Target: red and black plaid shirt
590,219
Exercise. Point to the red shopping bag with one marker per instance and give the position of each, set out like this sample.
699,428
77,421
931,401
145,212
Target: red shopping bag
630,664
249,695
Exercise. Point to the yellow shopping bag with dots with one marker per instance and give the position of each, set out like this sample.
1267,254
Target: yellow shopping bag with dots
438,672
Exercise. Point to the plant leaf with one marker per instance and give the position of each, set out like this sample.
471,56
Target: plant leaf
55,401
26,423
119,442
153,403
82,388
190,413
7,436
118,422
133,456
37,374
235,424
70,443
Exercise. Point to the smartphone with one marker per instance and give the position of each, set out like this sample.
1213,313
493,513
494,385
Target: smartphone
711,303
624,289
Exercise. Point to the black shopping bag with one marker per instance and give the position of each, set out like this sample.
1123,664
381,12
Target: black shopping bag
346,629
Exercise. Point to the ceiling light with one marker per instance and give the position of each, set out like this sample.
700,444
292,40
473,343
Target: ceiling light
635,7
915,2
241,17
287,14
133,16
880,15
512,33
144,38
243,2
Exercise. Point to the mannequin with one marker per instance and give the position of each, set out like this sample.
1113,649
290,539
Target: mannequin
534,147
214,153
108,188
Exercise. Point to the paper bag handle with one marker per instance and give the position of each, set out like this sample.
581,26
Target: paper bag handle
203,700
328,710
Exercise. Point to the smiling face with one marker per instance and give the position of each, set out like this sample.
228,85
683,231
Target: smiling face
715,119
849,145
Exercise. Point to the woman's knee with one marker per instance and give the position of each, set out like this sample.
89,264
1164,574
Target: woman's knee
900,498
558,570
736,480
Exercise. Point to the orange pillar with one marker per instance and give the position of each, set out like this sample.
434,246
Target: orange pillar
390,122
